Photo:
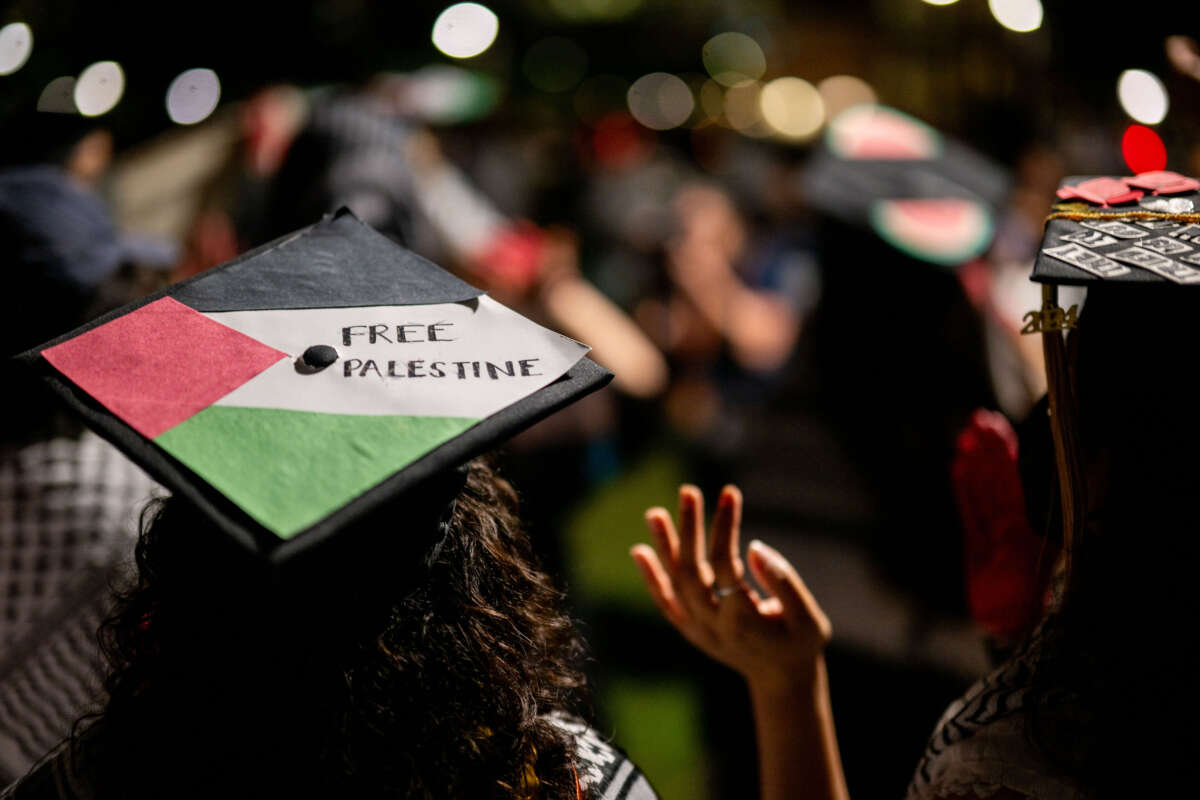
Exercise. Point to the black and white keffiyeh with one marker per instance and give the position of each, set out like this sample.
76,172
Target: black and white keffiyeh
68,522
605,773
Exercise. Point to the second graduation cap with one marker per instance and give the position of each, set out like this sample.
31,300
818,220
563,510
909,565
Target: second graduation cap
926,195
291,392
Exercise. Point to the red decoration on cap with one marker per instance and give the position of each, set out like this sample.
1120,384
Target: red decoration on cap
1163,182
1100,191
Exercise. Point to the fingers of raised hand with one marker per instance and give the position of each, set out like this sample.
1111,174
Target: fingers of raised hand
681,572
666,540
737,601
662,591
658,582
797,607
691,524
693,574
723,549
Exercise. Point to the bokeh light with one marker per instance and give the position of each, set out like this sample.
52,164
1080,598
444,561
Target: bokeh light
99,88
1143,149
16,43
941,2
193,95
840,92
743,109
59,96
792,107
712,99
555,64
660,101
1143,96
1021,16
733,59
464,30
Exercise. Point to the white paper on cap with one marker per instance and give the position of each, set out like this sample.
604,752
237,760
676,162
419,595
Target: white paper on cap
489,333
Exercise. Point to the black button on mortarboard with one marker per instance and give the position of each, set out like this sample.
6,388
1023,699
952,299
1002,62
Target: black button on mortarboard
315,359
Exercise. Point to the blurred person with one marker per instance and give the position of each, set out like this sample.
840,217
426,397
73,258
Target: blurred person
902,210
80,146
232,207
67,498
760,328
933,378
717,325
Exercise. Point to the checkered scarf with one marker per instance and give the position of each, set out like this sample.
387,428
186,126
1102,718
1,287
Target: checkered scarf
68,521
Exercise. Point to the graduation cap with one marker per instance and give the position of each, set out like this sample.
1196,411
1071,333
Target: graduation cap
924,194
315,380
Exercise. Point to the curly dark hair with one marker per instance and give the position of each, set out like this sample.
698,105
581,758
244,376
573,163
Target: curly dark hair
435,683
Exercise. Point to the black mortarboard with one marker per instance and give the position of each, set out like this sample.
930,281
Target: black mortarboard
300,387
926,195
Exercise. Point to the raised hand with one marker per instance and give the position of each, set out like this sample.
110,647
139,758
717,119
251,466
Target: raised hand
775,642
698,583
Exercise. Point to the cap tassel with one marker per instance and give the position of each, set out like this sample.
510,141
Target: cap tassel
1063,425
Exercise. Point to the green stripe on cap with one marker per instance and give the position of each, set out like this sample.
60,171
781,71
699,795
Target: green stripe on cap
290,469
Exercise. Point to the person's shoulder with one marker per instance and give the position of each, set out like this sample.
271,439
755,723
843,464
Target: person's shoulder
52,778
980,749
605,772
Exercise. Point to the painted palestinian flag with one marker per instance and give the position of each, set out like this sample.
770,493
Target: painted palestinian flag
303,375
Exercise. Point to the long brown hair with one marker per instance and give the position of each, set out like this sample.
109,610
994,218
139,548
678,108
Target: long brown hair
436,686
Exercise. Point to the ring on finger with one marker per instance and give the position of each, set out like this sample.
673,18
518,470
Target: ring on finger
721,592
